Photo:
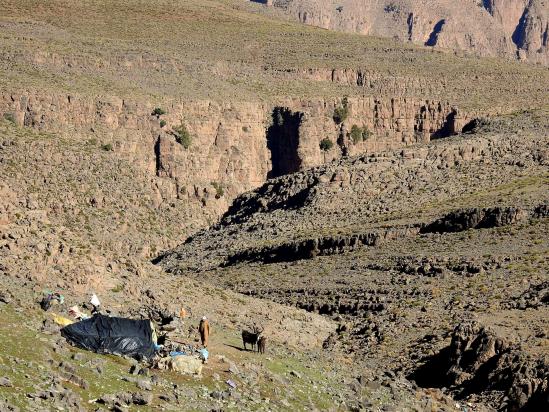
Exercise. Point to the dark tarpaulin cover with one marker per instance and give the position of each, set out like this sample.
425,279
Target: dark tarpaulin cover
104,334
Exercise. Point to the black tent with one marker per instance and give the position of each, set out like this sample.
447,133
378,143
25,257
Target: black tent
120,336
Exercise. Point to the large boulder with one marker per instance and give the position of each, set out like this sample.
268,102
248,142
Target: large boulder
186,365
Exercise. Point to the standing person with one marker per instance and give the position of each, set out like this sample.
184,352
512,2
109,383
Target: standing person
96,304
204,329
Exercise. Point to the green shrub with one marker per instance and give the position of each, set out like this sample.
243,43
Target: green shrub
107,147
9,117
341,112
326,144
158,112
358,134
182,136
218,189
162,123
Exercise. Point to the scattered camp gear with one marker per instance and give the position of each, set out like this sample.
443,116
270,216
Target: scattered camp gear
50,299
96,304
204,355
176,353
60,320
119,336
74,311
186,365
95,300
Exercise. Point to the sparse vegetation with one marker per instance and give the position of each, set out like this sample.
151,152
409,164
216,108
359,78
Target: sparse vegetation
9,117
359,134
182,136
326,144
219,192
341,112
107,147
158,112
216,28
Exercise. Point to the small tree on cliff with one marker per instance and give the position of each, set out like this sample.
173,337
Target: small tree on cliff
358,134
182,136
341,112
325,145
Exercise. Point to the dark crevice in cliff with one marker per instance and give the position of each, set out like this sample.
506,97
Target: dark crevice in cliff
157,156
448,128
283,142
519,35
489,6
341,142
433,37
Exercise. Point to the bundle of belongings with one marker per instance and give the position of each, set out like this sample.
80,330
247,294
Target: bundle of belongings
50,299
75,312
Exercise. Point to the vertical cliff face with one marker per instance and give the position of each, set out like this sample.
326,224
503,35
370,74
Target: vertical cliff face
531,35
506,12
510,28
234,146
387,124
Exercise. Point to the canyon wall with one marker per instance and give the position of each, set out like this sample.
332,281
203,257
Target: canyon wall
235,146
508,28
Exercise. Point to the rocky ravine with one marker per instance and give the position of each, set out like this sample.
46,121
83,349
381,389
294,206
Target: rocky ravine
511,28
402,246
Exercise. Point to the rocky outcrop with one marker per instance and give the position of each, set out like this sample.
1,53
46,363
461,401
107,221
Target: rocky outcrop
309,248
456,221
461,220
510,28
479,362
487,218
535,296
350,302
